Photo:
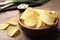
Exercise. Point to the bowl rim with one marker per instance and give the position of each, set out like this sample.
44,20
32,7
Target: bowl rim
20,23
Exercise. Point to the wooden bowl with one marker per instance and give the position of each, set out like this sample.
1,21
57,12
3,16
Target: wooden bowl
37,32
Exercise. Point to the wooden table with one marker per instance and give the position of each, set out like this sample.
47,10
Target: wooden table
4,16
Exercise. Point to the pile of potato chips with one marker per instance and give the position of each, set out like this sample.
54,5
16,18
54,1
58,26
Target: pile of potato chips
38,18
10,26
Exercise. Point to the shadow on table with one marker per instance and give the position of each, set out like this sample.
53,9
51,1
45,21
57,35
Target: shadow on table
51,36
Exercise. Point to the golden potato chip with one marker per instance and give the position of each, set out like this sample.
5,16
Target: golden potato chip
46,17
3,26
44,25
27,12
12,21
39,23
30,20
11,30
53,13
38,11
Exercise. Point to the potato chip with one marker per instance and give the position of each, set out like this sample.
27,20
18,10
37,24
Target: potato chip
54,13
30,20
46,17
35,12
11,30
12,21
38,11
39,23
27,12
3,26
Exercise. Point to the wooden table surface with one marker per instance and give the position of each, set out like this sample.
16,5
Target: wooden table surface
4,16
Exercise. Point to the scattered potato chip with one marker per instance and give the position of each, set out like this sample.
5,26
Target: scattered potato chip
11,30
12,21
3,26
27,12
30,20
